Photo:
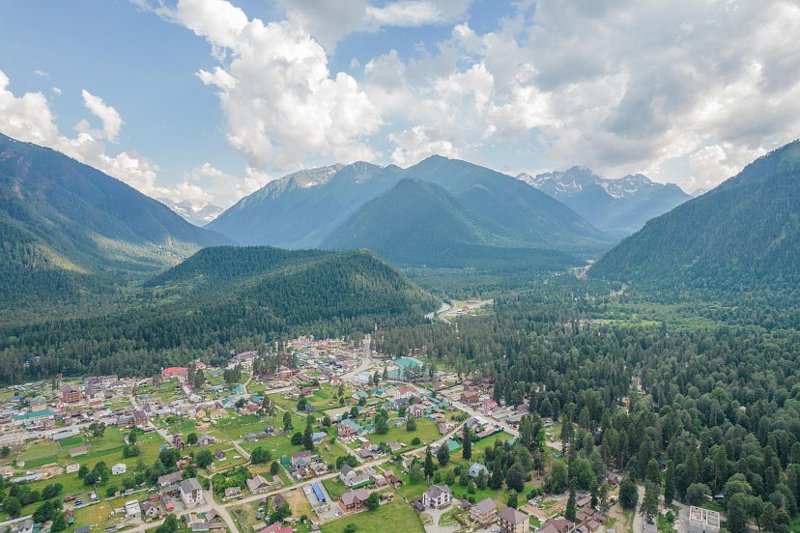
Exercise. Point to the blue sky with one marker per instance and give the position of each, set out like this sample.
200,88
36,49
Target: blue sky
206,100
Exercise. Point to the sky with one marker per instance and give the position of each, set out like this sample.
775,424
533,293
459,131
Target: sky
208,100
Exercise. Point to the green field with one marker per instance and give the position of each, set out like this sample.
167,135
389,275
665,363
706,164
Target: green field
40,449
236,427
107,449
394,516
334,488
426,431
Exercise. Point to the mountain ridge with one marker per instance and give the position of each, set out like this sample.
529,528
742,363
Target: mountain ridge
194,214
620,206
745,232
65,223
287,215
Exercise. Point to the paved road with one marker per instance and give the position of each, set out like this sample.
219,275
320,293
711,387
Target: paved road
366,362
472,412
638,520
241,450
682,523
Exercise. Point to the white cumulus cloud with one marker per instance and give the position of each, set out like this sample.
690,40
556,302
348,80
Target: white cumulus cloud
281,102
109,116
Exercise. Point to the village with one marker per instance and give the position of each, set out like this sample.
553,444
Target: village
327,436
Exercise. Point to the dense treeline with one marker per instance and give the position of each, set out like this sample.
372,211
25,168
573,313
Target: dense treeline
184,316
712,411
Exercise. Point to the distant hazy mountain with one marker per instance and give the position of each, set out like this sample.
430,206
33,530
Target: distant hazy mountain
311,208
61,219
197,215
620,206
301,209
745,232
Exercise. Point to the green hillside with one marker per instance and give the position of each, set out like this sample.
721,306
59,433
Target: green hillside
67,227
419,223
217,299
743,234
530,217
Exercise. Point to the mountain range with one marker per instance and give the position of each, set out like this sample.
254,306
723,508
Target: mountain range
743,234
619,207
299,210
199,215
404,212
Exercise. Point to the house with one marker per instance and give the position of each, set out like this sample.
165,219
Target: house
219,454
470,397
276,528
475,470
278,500
348,428
318,437
44,417
416,411
150,510
191,492
393,479
206,440
583,502
484,512
489,406
38,403
405,392
140,418
557,525
177,372
346,474
353,500
234,492
437,496
20,525
301,459
70,394
359,480
170,479
119,468
132,509
613,478
512,521
257,484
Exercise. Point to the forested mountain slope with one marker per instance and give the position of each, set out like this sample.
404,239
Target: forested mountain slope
741,235
311,207
420,223
63,224
219,298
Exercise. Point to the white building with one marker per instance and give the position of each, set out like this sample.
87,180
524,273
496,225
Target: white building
191,492
119,468
132,509
437,496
